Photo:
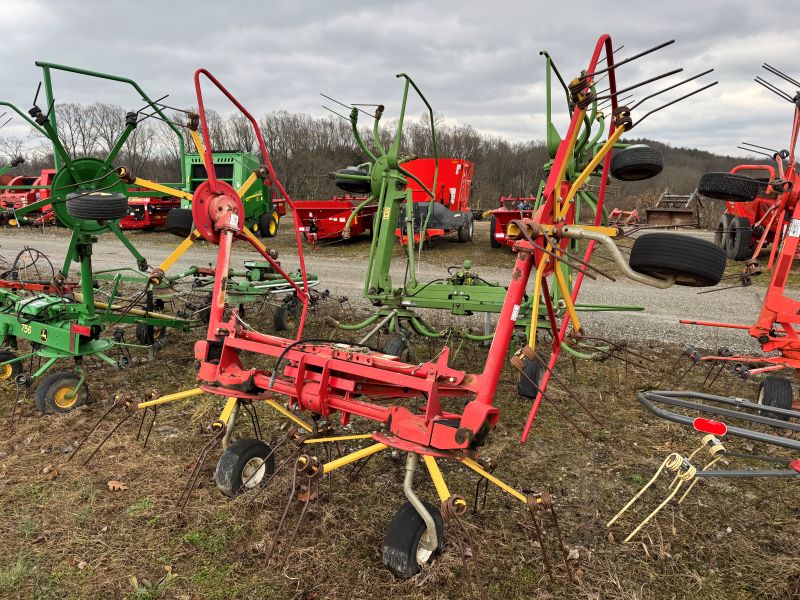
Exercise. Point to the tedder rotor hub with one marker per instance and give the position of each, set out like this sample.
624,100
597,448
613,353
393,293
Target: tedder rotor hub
215,211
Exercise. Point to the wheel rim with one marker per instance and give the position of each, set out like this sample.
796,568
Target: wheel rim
61,397
289,319
425,548
761,395
273,226
253,472
255,227
5,372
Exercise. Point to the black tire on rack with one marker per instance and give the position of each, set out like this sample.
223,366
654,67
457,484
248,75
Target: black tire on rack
180,222
694,262
636,163
728,187
97,206
353,186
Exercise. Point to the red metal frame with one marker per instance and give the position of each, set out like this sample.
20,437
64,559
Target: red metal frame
325,219
505,214
152,212
15,199
328,377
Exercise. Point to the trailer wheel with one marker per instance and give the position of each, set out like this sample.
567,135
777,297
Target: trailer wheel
775,392
636,163
406,545
286,316
53,390
396,345
534,370
10,371
466,231
352,186
739,235
492,231
98,206
180,222
722,230
728,187
694,262
243,466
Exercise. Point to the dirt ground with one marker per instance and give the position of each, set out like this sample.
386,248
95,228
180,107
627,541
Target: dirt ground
65,534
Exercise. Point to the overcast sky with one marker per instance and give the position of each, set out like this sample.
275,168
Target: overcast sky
478,61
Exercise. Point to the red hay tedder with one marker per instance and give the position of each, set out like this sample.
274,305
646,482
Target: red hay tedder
511,208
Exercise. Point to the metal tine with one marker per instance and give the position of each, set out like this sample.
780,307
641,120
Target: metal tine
676,100
672,87
762,147
337,114
153,104
364,104
640,84
348,106
155,116
755,151
620,101
36,95
773,88
632,58
7,122
780,74
603,59
181,110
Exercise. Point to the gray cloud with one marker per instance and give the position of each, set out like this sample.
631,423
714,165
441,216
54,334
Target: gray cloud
478,62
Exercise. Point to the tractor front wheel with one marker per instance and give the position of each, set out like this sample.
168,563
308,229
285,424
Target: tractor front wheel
777,393
244,466
492,232
693,262
59,393
407,545
10,371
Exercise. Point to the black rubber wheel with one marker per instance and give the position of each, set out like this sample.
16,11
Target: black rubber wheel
694,262
636,163
722,230
286,316
396,345
9,372
492,231
179,222
98,206
728,187
466,231
775,392
353,186
243,466
534,370
52,391
145,334
402,551
739,235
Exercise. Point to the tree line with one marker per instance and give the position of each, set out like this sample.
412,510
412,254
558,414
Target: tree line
304,149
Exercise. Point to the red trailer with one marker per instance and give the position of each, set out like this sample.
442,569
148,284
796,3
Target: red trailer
23,190
511,208
147,212
450,211
326,219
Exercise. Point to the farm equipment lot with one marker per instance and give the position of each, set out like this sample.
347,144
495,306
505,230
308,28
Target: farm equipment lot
65,534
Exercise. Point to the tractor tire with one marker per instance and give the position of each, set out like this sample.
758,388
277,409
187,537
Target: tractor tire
404,549
97,206
243,466
636,163
466,231
492,231
272,226
728,187
180,222
52,390
694,262
9,372
396,345
739,236
775,392
534,370
722,230
286,316
352,186
263,225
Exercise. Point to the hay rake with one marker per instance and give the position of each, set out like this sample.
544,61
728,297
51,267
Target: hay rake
405,403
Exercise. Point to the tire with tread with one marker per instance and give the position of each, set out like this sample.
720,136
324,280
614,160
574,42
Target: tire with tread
403,537
492,231
285,316
396,345
230,475
776,392
694,262
636,163
353,186
52,389
534,370
466,231
180,222
740,234
728,187
722,230
97,206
